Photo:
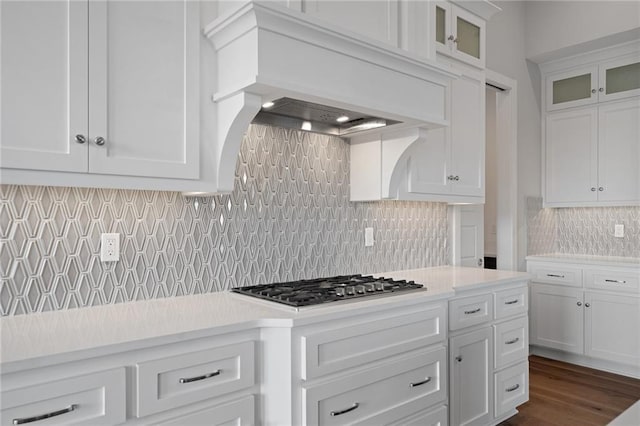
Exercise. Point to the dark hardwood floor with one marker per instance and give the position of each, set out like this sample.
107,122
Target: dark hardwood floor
562,394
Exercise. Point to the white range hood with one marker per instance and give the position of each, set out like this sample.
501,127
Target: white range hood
266,52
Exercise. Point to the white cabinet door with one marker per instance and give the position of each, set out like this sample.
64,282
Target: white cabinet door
556,318
572,88
430,164
377,19
611,327
143,88
43,85
468,134
471,379
619,78
459,34
619,151
571,156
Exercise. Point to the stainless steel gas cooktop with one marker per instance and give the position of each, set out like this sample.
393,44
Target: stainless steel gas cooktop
325,290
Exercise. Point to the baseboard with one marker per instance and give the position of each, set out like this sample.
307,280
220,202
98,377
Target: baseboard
585,361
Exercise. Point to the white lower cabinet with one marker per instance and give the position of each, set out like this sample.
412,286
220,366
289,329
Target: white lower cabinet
237,413
373,395
596,321
470,358
97,398
488,343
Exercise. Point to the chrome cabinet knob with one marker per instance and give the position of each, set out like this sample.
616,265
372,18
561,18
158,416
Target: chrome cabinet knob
587,305
459,358
593,90
601,89
456,178
593,189
80,139
100,141
579,303
600,189
451,37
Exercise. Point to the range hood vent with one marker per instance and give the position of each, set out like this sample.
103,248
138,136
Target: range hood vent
313,72
302,115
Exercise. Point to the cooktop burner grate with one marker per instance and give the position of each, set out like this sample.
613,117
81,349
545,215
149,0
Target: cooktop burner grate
325,290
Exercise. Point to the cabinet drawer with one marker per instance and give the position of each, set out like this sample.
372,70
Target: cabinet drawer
435,417
468,311
96,399
356,398
511,388
628,282
397,416
511,340
345,347
171,382
237,413
556,274
511,302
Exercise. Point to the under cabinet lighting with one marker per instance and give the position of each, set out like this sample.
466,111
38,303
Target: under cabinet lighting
342,119
306,125
267,105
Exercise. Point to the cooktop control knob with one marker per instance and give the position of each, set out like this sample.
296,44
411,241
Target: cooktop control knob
351,290
340,291
379,286
360,289
369,288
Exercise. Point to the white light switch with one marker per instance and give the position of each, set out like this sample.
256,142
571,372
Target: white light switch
368,237
618,231
110,247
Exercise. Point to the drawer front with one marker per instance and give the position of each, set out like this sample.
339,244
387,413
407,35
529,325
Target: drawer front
434,417
420,379
511,388
556,274
179,380
511,302
236,413
511,341
409,414
468,311
623,281
96,399
345,347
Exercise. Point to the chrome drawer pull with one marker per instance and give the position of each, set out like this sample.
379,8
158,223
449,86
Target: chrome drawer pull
616,281
555,276
413,385
206,376
511,342
512,388
472,312
511,302
24,420
346,410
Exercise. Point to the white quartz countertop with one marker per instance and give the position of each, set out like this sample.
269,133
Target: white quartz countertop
41,339
633,262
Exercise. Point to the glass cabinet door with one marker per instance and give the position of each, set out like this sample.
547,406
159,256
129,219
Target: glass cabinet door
442,27
619,78
469,37
572,88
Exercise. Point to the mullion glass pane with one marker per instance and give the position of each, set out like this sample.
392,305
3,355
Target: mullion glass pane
572,89
440,27
621,79
468,38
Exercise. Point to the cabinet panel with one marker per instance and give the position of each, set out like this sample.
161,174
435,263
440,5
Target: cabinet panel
471,355
611,327
619,151
357,397
143,88
557,318
236,413
576,87
375,19
511,388
571,156
96,399
43,85
511,341
620,78
511,302
613,280
430,164
468,311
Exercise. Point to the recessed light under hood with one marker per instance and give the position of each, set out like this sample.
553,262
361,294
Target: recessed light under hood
266,52
309,116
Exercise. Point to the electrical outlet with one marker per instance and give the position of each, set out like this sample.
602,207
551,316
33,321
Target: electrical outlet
110,247
368,237
618,231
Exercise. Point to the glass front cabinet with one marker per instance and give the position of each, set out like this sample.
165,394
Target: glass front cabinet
459,34
615,79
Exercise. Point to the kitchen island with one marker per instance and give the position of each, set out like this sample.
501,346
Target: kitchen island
228,357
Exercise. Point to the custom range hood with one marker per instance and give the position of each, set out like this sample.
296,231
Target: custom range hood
282,67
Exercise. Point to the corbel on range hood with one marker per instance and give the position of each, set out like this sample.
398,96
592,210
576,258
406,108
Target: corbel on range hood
265,52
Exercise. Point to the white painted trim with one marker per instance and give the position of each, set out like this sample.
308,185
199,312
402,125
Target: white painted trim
585,361
510,251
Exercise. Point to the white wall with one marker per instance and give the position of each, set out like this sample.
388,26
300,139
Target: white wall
506,55
557,25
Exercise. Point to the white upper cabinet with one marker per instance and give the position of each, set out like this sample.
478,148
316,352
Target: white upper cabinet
459,34
102,87
43,83
591,134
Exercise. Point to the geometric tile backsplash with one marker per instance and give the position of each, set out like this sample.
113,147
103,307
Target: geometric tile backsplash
289,217
582,230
